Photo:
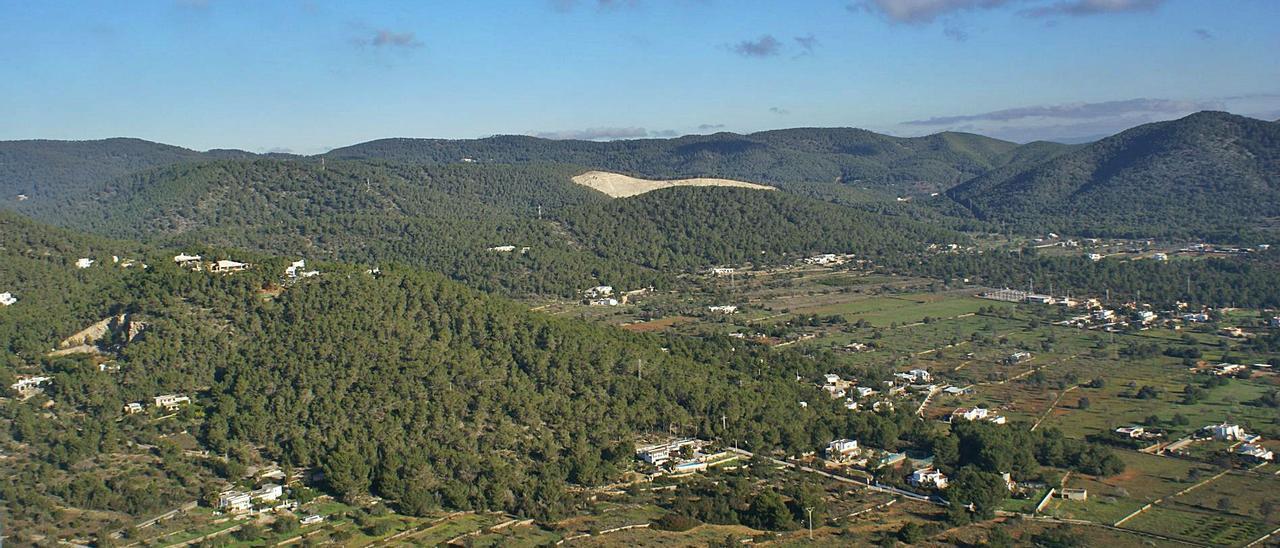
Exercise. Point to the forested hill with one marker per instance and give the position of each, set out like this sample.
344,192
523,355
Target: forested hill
1210,174
778,157
43,168
446,217
401,384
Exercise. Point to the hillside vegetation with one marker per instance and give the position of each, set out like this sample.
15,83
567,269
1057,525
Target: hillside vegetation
446,218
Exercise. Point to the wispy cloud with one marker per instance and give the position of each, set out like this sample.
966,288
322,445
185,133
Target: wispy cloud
1079,122
921,11
1093,7
926,11
387,38
594,133
764,46
1072,111
1203,34
779,111
709,127
665,133
570,5
807,43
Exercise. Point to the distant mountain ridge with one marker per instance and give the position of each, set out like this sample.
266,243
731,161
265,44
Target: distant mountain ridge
1210,173
777,157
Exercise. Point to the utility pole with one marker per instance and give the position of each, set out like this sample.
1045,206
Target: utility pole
810,511
639,366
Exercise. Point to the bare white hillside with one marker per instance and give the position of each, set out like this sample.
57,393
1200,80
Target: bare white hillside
621,186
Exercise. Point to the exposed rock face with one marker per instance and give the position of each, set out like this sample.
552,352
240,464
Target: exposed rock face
90,336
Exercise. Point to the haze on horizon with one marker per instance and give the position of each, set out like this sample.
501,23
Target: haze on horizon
308,75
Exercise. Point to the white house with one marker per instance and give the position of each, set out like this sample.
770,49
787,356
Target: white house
598,291
1227,432
607,301
228,266
84,262
133,407
293,268
269,492
831,378
503,248
1131,431
921,376
311,519
234,501
1103,315
187,261
824,259
1160,256
659,453
1095,257
928,477
1146,316
7,298
170,402
842,448
863,391
26,386
723,309
721,271
976,414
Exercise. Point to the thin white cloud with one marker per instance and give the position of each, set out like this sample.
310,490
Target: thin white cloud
1093,7
921,11
594,133
927,11
1073,111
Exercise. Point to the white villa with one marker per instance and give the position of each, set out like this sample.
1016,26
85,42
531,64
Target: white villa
928,477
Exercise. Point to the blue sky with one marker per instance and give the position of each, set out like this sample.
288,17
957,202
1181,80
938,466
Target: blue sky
308,75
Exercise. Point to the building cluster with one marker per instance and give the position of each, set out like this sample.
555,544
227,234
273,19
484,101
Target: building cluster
855,395
827,259
242,501
196,263
1250,445
164,402
298,269
682,456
